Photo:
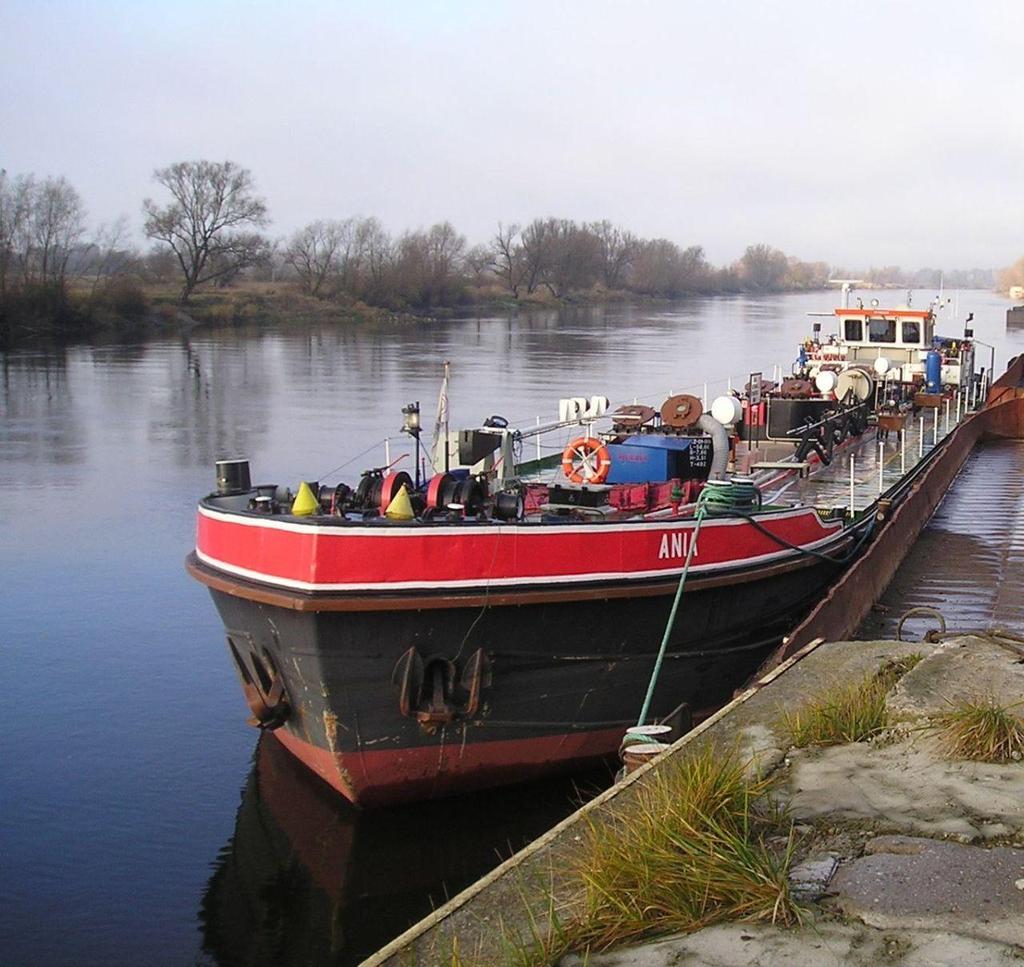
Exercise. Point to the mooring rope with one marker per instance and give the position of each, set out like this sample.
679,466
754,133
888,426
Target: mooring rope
736,497
699,515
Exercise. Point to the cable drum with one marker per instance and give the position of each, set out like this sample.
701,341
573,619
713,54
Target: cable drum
858,379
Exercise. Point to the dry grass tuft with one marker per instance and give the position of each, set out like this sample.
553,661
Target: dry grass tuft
981,729
849,713
692,852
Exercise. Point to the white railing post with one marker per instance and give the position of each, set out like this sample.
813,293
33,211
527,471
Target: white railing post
935,427
881,466
903,451
920,439
852,483
947,414
538,440
387,451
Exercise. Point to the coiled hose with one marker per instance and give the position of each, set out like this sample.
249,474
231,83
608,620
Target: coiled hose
727,496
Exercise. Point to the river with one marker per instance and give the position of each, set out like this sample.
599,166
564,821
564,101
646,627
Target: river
133,827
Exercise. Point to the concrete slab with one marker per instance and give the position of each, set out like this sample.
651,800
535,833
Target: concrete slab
918,883
820,944
908,786
961,669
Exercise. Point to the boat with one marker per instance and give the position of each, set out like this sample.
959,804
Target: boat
413,636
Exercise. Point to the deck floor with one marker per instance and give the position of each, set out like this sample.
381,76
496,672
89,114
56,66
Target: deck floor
830,486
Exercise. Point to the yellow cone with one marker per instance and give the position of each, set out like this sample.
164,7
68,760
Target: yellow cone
305,503
400,507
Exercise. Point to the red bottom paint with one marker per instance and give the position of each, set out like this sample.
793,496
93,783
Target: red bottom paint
387,777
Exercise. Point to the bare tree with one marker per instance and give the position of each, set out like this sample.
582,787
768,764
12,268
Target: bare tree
572,256
212,203
535,252
317,252
616,251
763,268
375,254
480,264
41,227
58,223
15,208
509,262
428,266
112,256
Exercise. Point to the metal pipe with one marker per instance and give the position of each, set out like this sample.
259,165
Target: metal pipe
538,439
947,414
852,506
903,451
719,445
920,440
387,451
881,466
935,426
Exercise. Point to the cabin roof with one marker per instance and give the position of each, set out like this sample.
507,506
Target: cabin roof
879,313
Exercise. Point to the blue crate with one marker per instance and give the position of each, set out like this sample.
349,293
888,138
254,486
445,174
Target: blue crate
646,459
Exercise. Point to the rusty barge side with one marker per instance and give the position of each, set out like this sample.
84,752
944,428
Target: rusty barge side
839,614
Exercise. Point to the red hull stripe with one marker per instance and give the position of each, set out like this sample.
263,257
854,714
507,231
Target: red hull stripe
382,778
312,558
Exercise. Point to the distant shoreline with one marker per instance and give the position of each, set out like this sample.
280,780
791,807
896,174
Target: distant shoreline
154,311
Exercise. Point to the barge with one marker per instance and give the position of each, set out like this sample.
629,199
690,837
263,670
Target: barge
419,635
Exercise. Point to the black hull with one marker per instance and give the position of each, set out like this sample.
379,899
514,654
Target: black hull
392,705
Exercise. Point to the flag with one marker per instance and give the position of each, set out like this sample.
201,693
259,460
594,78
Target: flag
439,449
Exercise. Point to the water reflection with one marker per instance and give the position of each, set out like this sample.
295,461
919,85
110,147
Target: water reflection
39,423
307,879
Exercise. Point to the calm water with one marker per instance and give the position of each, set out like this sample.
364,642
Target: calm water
133,827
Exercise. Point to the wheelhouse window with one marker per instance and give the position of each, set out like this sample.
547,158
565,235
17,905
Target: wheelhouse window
881,330
912,333
853,331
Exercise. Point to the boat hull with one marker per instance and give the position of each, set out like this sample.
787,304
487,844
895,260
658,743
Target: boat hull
394,704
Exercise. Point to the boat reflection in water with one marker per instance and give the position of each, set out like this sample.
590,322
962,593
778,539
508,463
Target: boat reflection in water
309,879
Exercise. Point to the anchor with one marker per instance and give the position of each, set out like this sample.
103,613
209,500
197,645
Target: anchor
434,692
262,685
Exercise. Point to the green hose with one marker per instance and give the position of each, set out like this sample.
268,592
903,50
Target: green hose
701,512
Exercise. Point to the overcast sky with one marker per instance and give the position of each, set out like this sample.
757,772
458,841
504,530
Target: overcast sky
861,134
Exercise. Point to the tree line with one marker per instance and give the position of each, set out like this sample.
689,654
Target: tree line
207,230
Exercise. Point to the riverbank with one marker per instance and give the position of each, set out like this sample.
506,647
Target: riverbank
136,313
890,844
133,312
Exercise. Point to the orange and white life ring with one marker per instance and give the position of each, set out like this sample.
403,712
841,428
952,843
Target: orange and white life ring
586,460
